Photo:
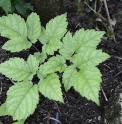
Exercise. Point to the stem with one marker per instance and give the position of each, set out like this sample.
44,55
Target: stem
96,13
109,20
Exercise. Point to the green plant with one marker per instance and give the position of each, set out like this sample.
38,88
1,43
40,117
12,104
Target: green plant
80,71
9,6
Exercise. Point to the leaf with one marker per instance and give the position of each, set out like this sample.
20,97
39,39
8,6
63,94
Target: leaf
89,57
87,83
56,63
52,46
17,44
40,56
56,27
12,26
85,39
51,88
6,7
22,7
3,110
33,26
67,49
40,73
22,99
68,77
18,69
19,122
33,64
43,38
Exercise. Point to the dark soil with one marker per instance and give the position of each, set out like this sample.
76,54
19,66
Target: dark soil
77,109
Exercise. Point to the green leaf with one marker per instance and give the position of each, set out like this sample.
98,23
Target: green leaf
40,56
18,69
89,57
17,44
22,99
68,77
52,46
51,87
67,49
85,39
87,83
19,122
56,63
57,27
22,7
12,26
3,110
40,73
33,26
6,7
43,38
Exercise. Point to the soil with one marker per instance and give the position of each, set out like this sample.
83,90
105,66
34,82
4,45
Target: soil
77,109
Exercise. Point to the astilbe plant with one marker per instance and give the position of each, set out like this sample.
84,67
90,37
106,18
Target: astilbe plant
80,72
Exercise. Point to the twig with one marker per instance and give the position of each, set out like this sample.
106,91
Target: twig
109,20
104,94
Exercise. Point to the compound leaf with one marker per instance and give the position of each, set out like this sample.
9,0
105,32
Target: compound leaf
33,26
51,87
89,57
87,83
67,48
18,69
17,44
22,99
56,63
57,27
85,39
68,77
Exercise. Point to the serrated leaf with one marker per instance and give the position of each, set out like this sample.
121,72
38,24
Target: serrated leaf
22,99
56,63
3,110
85,39
40,56
57,27
18,69
68,77
67,48
51,87
17,44
89,57
40,73
33,26
19,122
43,38
52,46
12,26
87,83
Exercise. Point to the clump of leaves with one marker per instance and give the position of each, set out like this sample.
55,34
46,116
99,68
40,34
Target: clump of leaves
10,6
80,50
